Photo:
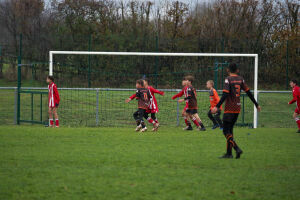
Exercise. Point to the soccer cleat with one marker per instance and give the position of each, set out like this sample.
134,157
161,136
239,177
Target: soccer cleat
143,129
155,127
138,128
188,128
215,126
238,153
56,126
226,156
202,129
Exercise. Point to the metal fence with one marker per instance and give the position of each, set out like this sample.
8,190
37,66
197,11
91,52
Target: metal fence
106,107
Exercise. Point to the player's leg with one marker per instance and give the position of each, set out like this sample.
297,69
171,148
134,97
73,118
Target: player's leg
142,113
197,121
211,117
56,117
231,139
138,122
50,111
187,121
218,119
156,124
297,118
226,132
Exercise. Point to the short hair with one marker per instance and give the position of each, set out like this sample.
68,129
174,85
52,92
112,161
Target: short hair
140,81
211,82
147,80
294,81
189,78
50,77
233,67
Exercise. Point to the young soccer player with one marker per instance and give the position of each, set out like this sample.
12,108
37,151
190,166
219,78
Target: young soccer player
53,101
296,95
153,107
184,114
231,94
143,97
191,100
214,99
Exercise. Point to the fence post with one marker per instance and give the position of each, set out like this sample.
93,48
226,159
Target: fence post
89,62
177,111
287,64
16,106
97,107
19,79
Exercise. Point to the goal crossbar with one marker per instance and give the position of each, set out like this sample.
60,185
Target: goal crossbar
255,56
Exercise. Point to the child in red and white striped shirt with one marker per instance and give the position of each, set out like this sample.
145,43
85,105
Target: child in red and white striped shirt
53,101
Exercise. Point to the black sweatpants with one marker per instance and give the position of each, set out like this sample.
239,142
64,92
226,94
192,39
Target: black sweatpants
229,120
215,118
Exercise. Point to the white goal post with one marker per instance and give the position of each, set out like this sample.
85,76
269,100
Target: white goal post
255,56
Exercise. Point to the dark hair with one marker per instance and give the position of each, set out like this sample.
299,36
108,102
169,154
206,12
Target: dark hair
294,81
51,78
189,78
233,67
141,82
147,80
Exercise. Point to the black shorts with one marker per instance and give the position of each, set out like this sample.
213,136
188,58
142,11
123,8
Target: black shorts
229,119
191,111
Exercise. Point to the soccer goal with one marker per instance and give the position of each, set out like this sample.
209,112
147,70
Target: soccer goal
166,55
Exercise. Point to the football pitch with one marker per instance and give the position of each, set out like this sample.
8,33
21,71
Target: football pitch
117,163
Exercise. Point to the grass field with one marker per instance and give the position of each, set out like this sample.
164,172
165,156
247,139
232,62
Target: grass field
117,163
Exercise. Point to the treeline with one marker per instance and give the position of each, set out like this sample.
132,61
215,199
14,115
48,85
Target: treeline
267,27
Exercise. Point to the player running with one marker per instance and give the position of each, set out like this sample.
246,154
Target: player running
214,99
231,94
191,100
143,97
296,95
184,114
53,101
153,107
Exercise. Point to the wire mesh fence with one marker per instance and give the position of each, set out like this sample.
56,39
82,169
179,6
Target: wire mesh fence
106,107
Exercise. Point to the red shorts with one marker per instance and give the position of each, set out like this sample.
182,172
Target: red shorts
152,111
297,110
56,106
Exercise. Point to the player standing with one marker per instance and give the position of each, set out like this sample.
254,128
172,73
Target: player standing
143,96
214,99
53,101
191,100
184,114
296,95
231,94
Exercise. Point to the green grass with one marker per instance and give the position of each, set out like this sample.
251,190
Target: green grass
117,163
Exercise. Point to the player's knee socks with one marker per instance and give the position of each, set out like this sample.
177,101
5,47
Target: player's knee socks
138,122
156,121
56,122
150,120
201,124
218,119
51,122
195,121
143,124
297,119
229,144
187,121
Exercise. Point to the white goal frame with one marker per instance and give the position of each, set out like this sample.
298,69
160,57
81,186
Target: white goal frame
255,56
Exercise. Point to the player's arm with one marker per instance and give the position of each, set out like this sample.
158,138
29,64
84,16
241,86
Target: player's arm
56,94
157,91
189,94
250,95
294,97
223,98
178,95
131,98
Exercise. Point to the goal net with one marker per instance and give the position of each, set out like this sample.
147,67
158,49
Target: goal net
94,85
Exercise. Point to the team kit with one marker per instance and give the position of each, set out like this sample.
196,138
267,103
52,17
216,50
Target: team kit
148,107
